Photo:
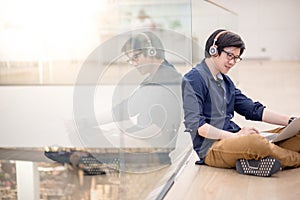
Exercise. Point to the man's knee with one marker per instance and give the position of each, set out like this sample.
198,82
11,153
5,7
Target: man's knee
258,143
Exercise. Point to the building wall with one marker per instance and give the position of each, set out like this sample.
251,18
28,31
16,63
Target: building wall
269,27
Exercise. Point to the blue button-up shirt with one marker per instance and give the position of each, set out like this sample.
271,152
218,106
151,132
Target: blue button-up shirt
207,100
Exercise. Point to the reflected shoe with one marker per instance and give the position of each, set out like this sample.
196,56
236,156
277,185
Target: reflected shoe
264,167
91,166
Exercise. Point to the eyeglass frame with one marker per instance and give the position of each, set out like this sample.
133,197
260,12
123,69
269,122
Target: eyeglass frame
133,58
230,56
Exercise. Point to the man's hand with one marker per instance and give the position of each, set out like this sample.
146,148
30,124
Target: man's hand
247,131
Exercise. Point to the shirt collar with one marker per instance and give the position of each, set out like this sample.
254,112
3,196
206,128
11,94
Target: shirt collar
208,72
219,76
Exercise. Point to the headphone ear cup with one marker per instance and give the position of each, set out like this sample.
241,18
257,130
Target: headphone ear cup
151,51
213,50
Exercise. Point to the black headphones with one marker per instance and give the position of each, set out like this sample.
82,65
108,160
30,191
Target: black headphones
213,49
151,50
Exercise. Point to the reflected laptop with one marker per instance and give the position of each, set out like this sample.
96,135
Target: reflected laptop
289,131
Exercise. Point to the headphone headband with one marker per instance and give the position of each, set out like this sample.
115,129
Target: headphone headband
213,48
218,35
151,50
147,39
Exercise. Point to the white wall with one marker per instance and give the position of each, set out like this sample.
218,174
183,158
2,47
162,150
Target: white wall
268,24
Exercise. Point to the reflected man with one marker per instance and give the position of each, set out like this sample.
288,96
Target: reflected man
152,101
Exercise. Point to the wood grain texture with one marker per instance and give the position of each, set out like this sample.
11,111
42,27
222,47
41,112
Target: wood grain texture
204,182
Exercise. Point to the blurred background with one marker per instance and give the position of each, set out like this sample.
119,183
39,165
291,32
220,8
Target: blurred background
44,44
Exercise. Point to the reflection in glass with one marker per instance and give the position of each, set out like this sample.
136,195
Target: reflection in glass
46,44
61,175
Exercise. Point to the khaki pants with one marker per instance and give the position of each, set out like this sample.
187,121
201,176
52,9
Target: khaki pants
224,153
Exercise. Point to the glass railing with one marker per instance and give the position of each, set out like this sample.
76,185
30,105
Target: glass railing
63,77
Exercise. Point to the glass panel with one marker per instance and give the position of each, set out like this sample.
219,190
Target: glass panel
8,181
63,73
76,174
48,42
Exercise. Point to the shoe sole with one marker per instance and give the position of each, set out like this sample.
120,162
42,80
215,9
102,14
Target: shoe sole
91,166
264,167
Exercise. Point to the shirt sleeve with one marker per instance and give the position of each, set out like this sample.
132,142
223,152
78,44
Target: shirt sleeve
246,107
193,95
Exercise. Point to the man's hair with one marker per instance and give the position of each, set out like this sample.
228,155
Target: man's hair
226,39
143,42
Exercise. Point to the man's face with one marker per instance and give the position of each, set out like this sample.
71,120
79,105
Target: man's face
139,60
134,57
227,59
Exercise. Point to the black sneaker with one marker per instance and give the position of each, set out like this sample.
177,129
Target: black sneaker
91,166
264,167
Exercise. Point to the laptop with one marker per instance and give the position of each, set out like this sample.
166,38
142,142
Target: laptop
289,131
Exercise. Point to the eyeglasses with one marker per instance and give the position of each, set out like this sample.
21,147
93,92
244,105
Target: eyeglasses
134,58
230,56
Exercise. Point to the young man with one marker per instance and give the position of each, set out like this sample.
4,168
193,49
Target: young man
210,99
